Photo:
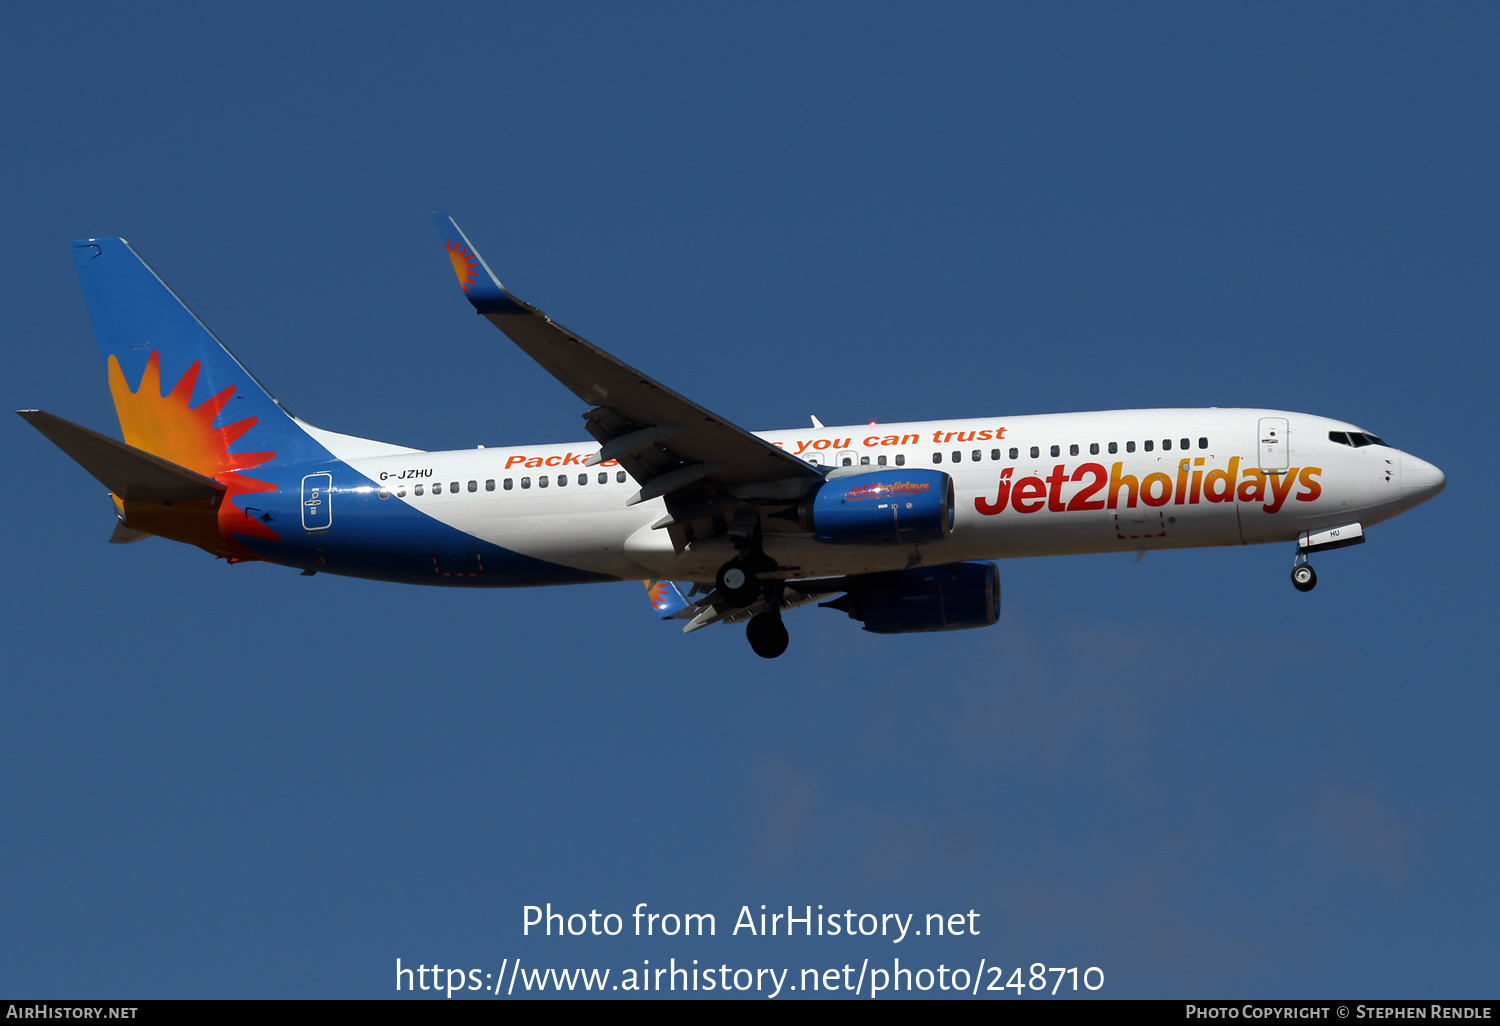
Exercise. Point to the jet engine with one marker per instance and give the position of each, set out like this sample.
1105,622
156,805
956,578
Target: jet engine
940,598
887,506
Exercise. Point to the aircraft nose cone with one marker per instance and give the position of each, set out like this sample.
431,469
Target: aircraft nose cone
1420,480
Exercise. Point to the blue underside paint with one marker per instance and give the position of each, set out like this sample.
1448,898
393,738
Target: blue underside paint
388,540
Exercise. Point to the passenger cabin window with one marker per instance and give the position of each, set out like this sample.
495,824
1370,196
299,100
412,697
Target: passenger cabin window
976,455
604,477
509,481
1203,443
437,488
937,457
562,480
958,457
1184,443
453,487
848,461
525,482
1073,449
880,460
901,459
383,493
1057,450
994,454
620,476
473,486
1166,443
583,479
1035,451
1015,454
864,461
416,490
1114,447
400,491
1148,446
541,482
489,485
1093,448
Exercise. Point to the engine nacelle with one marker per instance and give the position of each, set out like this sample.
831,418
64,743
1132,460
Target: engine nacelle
939,598
895,506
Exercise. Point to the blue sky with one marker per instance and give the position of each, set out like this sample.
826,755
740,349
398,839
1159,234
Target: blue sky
234,781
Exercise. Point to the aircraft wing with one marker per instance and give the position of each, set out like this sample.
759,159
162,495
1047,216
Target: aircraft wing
699,462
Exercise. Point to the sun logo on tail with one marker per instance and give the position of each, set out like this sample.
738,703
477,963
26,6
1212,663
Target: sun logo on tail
464,264
169,426
165,425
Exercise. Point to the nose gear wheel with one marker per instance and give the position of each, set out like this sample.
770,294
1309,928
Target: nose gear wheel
1304,578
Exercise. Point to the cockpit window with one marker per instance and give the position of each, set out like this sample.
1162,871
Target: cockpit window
1358,439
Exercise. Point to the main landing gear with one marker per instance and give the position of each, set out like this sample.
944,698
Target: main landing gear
767,634
1303,576
738,585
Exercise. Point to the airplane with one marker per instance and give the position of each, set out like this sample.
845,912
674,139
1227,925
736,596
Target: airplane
895,525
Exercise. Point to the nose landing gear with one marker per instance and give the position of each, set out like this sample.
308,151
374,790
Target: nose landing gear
1303,577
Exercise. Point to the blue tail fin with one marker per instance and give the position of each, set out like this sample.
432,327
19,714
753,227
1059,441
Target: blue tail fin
178,392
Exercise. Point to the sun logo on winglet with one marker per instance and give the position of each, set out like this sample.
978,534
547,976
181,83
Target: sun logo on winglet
657,592
464,264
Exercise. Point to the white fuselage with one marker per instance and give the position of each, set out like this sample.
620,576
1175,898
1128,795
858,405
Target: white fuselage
1052,484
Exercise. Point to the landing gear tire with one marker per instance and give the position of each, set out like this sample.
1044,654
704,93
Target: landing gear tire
1303,578
737,584
767,635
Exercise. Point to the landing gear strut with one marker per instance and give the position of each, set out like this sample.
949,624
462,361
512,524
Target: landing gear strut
736,579
1303,577
737,584
767,635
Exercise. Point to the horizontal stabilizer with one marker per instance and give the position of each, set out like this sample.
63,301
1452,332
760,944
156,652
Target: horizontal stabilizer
128,472
126,535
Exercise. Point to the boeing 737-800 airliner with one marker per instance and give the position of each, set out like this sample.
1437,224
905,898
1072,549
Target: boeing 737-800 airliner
893,524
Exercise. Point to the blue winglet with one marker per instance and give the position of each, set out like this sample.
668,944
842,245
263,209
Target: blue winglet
668,598
474,275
